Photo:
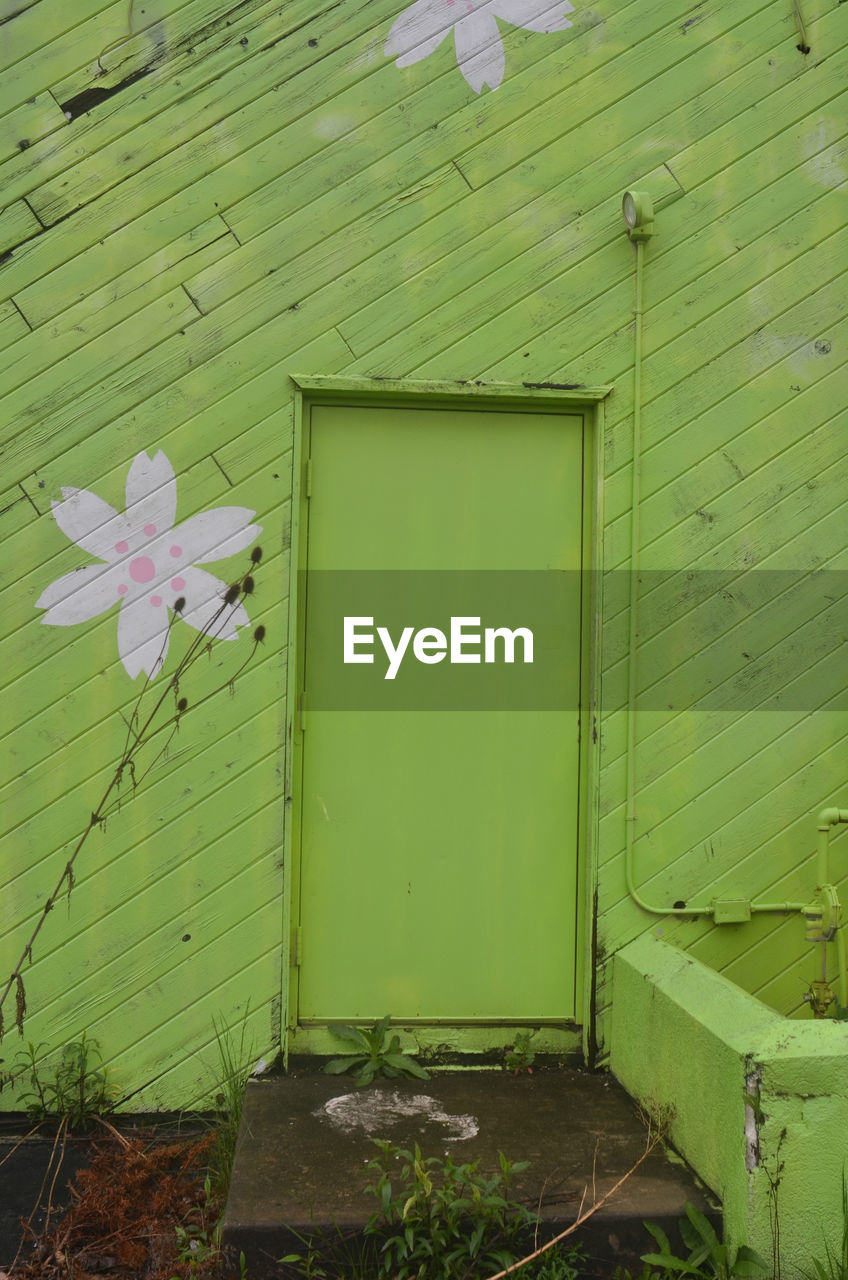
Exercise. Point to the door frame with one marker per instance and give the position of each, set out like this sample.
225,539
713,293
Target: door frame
310,389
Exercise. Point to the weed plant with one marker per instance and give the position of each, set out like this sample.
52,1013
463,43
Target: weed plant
77,1091
438,1220
234,1068
374,1057
708,1258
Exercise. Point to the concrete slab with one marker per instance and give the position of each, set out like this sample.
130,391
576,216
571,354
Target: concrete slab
30,1159
306,1140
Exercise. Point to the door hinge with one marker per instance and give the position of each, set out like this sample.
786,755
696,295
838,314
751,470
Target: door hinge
309,477
303,711
296,946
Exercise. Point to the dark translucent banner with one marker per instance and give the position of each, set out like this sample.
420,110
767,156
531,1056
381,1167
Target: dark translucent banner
515,639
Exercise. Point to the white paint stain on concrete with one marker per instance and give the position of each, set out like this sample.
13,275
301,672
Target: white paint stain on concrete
379,1108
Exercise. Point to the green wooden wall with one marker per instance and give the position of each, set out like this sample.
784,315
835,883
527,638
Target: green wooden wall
202,197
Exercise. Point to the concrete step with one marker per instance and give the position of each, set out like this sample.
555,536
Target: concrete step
306,1140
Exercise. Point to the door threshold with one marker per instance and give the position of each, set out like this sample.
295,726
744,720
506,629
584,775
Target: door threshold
438,1043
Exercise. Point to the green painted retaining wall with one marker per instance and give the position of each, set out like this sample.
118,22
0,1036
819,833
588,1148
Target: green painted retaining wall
694,1049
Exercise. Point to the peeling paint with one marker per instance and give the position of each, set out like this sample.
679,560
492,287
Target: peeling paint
752,1135
370,1111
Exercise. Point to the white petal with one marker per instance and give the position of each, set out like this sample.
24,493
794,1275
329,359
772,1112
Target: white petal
216,534
80,595
205,609
479,50
534,15
418,31
151,493
143,636
90,522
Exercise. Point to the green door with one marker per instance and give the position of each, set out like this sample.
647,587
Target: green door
438,834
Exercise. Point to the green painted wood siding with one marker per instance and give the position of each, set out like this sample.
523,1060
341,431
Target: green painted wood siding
201,197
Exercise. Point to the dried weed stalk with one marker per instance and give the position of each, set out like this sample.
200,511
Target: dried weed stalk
143,726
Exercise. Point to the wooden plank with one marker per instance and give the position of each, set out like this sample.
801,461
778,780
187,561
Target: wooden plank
17,224
16,512
543,309
761,844
723,798
396,131
96,315
12,324
208,405
163,368
96,749
536,237
422,294
29,32
47,553
292,233
69,382
537,316
233,111
186,70
193,32
742,33
159,210
29,123
687,226
786,471
65,47
325,223
10,9
756,361
75,308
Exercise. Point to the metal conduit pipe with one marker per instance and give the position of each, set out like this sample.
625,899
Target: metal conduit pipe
827,819
638,213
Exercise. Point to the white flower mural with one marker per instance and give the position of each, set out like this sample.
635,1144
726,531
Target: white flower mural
422,27
147,564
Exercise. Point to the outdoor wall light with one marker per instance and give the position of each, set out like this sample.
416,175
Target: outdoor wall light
637,209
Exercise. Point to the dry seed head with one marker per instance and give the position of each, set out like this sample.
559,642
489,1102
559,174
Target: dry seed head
247,585
256,555
259,634
233,594
182,704
179,605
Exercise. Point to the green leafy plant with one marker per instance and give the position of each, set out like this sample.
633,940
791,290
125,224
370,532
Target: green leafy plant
329,1255
708,1259
78,1089
194,1244
374,1057
559,1264
442,1221
521,1056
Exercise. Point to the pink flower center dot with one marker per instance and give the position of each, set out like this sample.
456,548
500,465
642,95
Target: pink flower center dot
142,569
178,583
122,589
156,600
122,547
150,529
176,551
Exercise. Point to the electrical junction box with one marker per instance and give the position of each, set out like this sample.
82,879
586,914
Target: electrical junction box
731,910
